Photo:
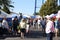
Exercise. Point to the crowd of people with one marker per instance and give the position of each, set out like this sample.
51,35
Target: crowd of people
49,26
6,27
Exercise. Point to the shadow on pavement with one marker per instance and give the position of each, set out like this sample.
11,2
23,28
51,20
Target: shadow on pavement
35,34
8,35
31,34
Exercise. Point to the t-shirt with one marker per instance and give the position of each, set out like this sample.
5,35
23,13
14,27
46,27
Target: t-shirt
27,26
22,24
49,26
5,24
39,21
43,22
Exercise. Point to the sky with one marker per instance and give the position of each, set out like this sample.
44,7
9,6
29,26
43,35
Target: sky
26,6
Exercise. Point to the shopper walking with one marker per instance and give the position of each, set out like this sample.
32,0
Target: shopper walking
49,29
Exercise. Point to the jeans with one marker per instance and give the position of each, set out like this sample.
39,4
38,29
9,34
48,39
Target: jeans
50,36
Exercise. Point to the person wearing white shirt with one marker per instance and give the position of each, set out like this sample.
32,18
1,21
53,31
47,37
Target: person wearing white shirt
5,24
22,27
39,20
50,29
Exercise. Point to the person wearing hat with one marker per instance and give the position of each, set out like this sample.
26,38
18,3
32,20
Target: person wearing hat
49,28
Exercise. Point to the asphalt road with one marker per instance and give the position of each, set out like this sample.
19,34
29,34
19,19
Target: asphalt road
34,34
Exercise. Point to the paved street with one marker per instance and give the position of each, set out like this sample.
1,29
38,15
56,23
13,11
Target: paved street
27,38
18,38
33,35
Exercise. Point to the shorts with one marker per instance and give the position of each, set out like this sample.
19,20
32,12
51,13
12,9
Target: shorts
22,30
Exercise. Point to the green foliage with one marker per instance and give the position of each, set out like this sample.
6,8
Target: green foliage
6,9
58,7
37,13
6,4
49,7
11,6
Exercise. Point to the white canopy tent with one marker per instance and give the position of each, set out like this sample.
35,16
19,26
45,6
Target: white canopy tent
38,16
52,15
12,15
26,16
3,14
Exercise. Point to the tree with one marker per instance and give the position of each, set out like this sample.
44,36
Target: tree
59,7
6,4
6,9
49,7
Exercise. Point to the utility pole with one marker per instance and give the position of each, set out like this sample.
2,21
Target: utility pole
35,7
